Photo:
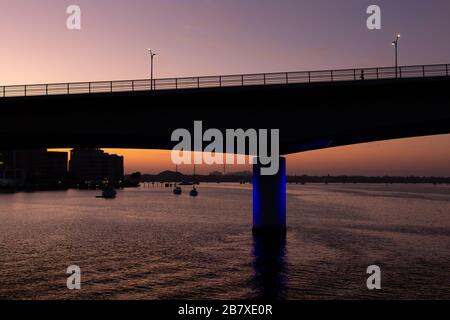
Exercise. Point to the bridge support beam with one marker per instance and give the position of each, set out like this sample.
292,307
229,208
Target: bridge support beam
269,202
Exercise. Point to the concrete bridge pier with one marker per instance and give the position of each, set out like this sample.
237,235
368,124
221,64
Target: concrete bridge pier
269,202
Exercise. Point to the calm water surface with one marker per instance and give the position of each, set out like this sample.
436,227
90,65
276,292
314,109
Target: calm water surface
150,244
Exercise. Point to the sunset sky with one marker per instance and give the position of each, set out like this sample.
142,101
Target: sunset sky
210,37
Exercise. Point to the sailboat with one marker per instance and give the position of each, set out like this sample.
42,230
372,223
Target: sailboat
177,190
194,192
108,192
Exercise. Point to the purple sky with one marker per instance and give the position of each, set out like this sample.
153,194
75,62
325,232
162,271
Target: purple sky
210,37
200,37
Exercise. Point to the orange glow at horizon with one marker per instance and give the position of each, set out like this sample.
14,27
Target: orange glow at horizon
422,156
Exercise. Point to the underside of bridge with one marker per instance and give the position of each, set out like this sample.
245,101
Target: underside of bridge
309,116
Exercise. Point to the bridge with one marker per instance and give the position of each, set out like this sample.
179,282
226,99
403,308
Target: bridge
227,80
312,109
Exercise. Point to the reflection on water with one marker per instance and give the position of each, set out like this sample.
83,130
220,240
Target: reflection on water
150,244
269,267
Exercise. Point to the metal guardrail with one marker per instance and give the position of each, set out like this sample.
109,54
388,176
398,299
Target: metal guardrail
420,71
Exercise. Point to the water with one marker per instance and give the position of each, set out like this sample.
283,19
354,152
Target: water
151,244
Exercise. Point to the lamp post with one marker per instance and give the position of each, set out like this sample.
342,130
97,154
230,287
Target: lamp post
152,56
395,44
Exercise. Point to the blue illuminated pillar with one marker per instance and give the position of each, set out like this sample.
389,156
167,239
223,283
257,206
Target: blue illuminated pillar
269,201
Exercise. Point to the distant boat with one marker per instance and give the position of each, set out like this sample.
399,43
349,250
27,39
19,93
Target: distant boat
193,193
108,193
177,190
193,177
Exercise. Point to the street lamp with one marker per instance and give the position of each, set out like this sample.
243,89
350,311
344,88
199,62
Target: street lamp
395,44
152,55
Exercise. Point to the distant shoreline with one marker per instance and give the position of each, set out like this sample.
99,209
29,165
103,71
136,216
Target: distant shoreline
170,176
176,178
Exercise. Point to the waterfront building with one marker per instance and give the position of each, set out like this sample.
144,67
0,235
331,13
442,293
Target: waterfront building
94,166
36,168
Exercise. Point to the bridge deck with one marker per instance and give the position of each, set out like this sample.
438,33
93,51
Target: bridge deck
309,116
418,71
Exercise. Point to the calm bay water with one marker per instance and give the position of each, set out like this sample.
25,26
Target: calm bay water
150,244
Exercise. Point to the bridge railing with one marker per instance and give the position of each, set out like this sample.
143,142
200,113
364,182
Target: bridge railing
437,70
